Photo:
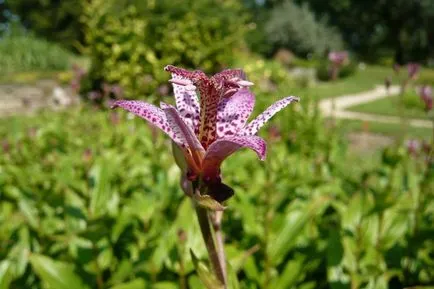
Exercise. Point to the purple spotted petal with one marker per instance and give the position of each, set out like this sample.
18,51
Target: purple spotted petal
222,148
253,127
153,114
209,99
187,103
185,74
229,74
180,128
233,112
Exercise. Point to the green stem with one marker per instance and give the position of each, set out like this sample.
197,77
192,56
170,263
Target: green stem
205,227
217,225
267,223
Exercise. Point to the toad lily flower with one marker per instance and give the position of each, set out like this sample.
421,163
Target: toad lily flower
209,128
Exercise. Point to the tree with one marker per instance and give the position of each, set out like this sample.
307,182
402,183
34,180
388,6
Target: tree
372,28
54,20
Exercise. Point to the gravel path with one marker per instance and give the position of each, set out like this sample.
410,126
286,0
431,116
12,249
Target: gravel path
346,101
18,99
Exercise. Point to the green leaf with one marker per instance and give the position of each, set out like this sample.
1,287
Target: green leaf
165,285
123,270
294,223
5,274
194,282
335,262
291,274
56,274
135,284
233,282
208,279
179,157
101,193
30,212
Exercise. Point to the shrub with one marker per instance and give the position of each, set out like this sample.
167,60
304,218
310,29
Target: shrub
323,70
103,209
20,53
297,29
412,100
131,43
55,20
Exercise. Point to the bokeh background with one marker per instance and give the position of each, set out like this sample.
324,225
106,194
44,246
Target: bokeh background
90,198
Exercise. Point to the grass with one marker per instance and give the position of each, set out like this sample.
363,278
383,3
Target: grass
413,107
362,80
393,130
26,59
366,79
28,53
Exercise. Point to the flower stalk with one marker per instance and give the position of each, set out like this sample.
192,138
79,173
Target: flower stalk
216,253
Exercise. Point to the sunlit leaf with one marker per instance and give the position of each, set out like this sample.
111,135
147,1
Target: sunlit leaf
56,274
135,284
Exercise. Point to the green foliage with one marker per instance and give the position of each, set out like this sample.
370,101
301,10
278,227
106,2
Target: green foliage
323,70
130,42
296,28
21,53
104,208
406,26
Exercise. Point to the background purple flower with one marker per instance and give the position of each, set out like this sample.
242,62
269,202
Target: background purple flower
413,70
426,96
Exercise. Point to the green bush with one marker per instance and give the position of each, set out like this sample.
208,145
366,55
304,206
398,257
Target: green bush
296,28
323,70
103,209
22,53
130,42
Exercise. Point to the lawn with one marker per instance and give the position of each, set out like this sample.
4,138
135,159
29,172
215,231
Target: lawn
366,79
390,106
394,130
362,80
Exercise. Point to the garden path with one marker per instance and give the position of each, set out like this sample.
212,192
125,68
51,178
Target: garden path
346,101
27,99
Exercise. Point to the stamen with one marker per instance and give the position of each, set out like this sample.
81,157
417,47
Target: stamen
244,83
230,92
183,82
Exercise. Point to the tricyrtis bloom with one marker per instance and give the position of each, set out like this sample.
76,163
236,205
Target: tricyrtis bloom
209,122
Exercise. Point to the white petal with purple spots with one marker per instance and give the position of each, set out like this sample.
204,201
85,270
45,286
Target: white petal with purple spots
152,114
233,112
187,102
253,127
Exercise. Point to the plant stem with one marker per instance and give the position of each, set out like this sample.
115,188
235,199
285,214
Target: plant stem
267,223
217,225
205,227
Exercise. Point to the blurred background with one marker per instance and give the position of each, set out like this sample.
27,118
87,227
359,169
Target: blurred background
90,198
